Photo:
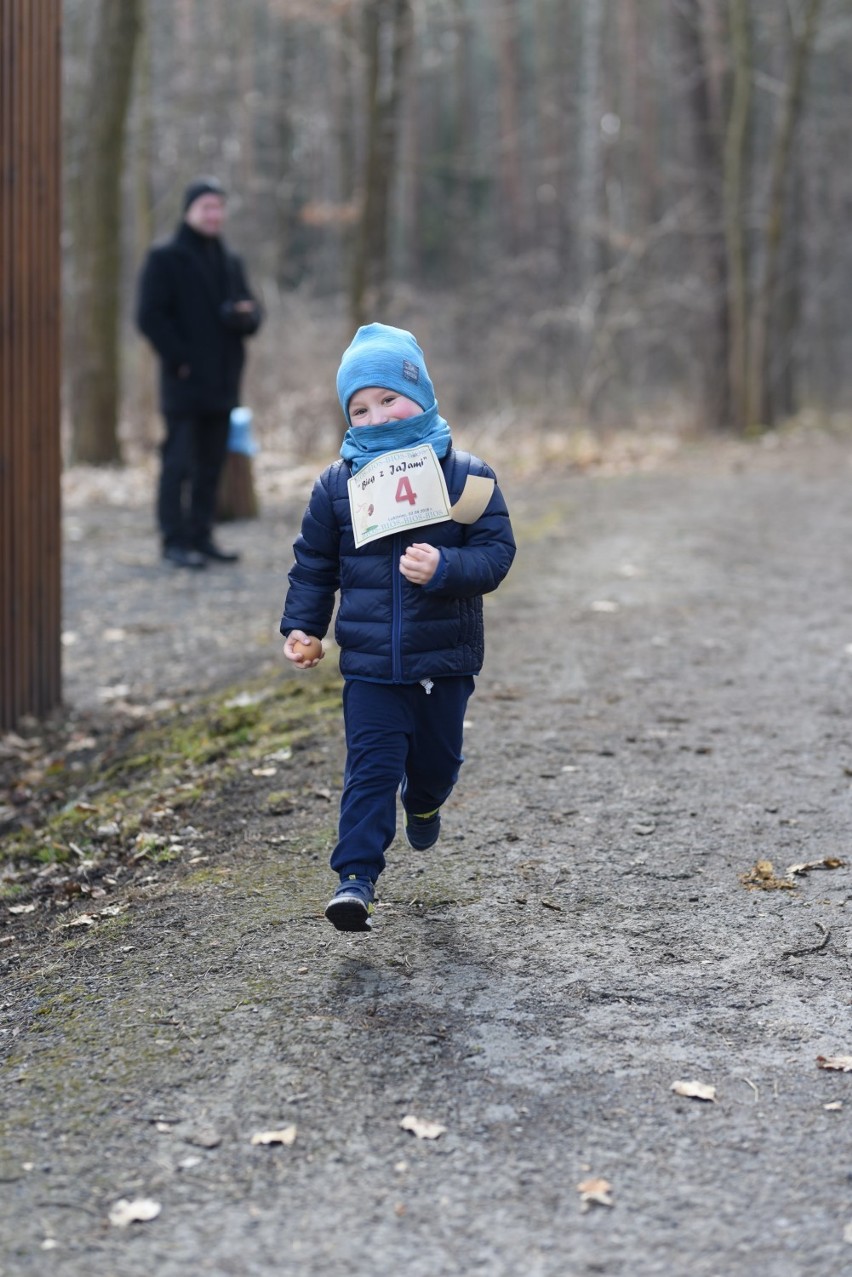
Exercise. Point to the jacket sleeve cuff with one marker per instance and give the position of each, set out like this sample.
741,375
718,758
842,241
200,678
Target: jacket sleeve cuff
440,573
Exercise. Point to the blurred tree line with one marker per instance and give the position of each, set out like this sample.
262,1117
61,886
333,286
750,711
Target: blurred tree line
588,210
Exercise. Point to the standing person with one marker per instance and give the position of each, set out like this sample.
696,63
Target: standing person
413,533
196,309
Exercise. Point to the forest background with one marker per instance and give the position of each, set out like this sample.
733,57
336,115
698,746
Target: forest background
594,214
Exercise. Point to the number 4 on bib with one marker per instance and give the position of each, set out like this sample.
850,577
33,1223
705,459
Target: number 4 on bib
404,491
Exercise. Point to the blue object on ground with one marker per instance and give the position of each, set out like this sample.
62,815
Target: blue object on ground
239,433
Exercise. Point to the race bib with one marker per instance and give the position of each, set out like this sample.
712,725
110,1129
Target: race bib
403,489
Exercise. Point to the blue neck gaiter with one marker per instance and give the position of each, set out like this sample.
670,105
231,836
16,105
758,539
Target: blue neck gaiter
362,444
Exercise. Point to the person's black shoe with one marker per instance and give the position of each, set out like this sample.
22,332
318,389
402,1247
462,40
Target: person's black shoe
212,551
183,558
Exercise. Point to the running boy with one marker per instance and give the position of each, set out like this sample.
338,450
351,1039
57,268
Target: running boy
412,533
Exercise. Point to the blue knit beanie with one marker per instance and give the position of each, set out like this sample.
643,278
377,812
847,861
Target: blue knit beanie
379,355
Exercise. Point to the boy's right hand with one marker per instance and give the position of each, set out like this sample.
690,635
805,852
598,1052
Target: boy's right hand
297,654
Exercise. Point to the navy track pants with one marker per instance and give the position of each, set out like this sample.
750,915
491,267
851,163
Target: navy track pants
395,732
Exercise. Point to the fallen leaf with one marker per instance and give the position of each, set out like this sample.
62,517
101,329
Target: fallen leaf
761,876
840,1063
139,1211
286,1135
695,1091
828,862
82,920
422,1129
22,908
595,1192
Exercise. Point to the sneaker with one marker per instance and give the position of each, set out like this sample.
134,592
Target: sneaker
351,906
422,829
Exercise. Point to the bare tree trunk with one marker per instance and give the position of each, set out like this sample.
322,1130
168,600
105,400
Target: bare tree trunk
708,153
592,284
550,133
761,410
388,37
648,175
406,260
145,363
736,147
784,365
630,63
511,169
248,42
96,220
287,270
590,180
464,155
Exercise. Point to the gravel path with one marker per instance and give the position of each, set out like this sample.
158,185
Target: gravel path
665,703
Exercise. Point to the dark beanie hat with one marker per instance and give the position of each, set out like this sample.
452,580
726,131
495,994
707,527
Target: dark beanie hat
203,186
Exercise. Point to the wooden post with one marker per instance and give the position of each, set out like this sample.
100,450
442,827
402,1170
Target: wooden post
30,537
236,497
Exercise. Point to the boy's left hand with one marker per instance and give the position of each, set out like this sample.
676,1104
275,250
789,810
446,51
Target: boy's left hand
420,563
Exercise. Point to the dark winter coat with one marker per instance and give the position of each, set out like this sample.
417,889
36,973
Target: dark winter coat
187,292
388,630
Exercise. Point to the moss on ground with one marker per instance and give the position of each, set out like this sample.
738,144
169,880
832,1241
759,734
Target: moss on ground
171,761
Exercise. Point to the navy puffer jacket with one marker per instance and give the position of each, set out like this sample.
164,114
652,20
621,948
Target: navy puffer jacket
388,630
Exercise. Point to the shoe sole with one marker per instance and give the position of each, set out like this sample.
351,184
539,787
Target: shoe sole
349,914
421,846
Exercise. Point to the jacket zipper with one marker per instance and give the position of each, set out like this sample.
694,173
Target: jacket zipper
396,639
